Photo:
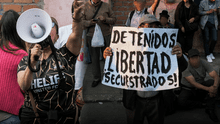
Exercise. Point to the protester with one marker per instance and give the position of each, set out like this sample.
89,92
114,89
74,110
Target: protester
164,17
209,25
150,104
64,33
50,97
135,15
196,88
11,52
81,65
186,20
133,21
105,18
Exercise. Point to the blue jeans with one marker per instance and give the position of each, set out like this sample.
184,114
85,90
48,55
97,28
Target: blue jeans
210,29
12,120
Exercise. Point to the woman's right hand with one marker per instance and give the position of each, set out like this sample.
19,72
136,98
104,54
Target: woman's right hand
183,29
107,52
35,51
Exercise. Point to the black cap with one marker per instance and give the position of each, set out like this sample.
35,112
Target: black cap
193,52
164,13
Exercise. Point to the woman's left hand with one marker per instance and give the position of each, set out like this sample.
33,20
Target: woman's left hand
177,50
192,20
102,18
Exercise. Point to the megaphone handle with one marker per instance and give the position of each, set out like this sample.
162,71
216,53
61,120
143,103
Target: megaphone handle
29,62
36,58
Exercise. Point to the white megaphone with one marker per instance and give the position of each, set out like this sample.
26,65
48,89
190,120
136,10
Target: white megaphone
34,25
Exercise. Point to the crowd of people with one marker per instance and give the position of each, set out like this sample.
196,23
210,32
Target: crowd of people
49,95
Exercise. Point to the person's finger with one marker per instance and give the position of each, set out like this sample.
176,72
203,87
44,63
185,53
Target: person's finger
75,2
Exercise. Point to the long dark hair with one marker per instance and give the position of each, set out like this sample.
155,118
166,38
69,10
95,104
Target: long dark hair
8,32
190,1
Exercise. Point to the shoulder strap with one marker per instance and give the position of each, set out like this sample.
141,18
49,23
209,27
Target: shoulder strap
131,15
97,10
95,15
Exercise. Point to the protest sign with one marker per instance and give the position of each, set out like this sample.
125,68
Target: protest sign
142,59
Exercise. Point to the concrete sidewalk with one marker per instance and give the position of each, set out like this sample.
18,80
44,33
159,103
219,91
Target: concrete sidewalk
104,106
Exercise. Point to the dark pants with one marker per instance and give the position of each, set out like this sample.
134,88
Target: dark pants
186,40
95,56
61,120
151,108
210,29
189,99
130,116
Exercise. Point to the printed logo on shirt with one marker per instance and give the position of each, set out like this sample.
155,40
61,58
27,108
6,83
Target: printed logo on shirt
42,84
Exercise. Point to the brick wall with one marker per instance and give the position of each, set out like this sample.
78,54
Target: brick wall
19,5
122,8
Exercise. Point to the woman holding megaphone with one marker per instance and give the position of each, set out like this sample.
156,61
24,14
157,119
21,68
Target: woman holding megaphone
50,91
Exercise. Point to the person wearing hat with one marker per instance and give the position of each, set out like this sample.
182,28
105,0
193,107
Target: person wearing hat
194,86
164,17
149,21
150,104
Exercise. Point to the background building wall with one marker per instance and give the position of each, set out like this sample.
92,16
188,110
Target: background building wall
61,10
19,5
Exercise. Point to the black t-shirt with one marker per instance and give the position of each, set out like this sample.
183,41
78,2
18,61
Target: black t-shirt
45,82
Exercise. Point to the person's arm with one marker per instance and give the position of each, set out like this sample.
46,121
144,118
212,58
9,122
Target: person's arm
197,16
111,19
193,82
202,10
215,76
87,23
25,77
74,41
154,5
